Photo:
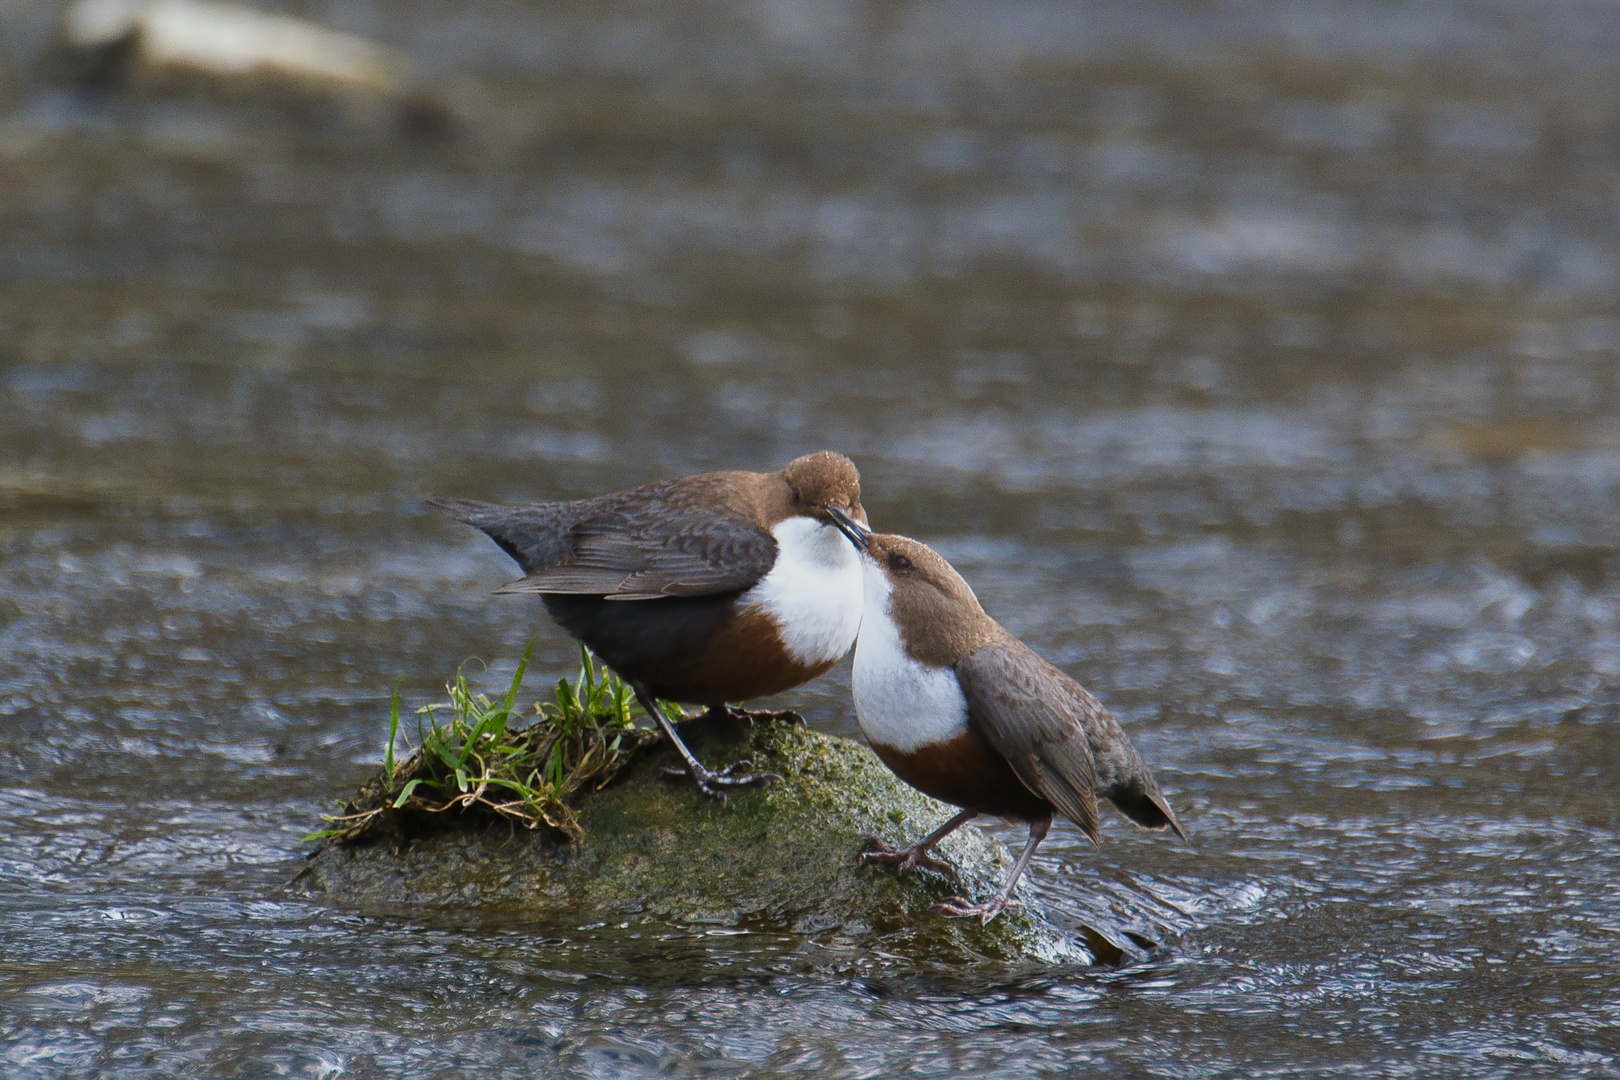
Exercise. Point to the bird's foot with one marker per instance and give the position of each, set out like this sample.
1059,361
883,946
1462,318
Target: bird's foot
716,713
753,716
711,781
957,907
904,860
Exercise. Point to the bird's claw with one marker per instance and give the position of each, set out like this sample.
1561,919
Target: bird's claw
708,780
752,716
957,907
904,860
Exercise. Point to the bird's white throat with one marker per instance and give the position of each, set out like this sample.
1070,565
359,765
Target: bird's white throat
901,703
813,591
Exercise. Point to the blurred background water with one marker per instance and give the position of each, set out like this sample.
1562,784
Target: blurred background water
1255,362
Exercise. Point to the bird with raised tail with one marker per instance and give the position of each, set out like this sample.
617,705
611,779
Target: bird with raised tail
707,589
963,711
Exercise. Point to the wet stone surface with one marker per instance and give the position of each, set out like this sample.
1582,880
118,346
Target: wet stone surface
781,857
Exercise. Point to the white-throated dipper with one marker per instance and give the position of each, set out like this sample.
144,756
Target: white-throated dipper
963,711
707,589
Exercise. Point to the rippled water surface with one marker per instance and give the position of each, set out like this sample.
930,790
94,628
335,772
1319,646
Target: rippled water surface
1255,363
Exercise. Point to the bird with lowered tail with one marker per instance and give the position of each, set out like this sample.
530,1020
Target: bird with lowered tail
963,711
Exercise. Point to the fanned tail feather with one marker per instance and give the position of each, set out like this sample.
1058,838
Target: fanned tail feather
1148,808
529,534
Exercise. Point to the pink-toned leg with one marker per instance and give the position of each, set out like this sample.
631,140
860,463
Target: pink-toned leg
957,907
915,856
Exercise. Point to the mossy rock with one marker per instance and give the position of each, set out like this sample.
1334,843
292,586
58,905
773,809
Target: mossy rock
781,856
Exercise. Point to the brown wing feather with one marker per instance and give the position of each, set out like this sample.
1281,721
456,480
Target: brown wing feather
624,556
1019,704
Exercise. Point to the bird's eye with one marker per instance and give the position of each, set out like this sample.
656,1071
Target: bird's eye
899,562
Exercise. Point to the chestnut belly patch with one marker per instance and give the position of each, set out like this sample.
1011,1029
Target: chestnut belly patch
965,772
746,660
703,650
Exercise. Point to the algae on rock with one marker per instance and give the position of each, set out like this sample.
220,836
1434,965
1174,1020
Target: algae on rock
783,856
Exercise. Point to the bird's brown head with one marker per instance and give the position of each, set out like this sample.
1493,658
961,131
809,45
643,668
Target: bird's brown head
935,611
823,481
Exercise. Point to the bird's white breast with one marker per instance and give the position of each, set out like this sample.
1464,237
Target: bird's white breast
901,703
813,591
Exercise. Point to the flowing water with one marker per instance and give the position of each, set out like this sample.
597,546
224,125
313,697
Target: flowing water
1256,363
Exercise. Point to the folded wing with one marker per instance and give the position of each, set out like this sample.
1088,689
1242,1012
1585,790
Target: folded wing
640,554
1027,717
1059,739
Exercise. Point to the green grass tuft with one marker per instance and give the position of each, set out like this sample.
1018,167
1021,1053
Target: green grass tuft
472,758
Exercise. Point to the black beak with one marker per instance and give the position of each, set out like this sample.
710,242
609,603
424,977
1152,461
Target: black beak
851,528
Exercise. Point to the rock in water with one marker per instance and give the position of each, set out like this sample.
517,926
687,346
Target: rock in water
784,856
216,48
231,39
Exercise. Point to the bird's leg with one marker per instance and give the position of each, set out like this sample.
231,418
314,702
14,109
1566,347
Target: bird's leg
957,907
917,855
706,780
